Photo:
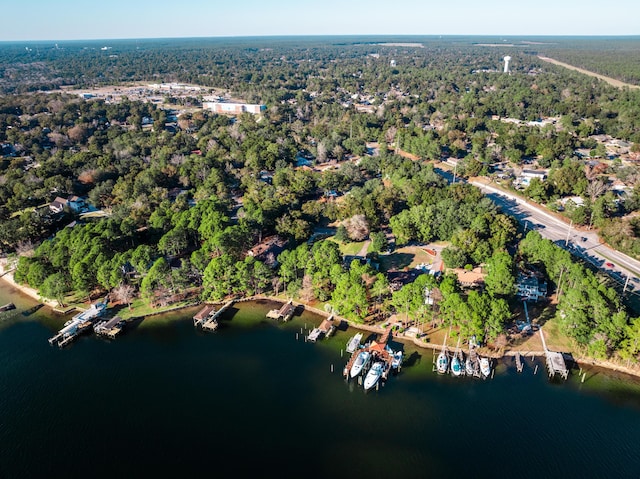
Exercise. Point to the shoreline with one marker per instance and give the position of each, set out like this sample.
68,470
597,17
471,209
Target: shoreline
578,359
7,279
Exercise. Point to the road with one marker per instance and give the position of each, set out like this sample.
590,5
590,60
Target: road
583,244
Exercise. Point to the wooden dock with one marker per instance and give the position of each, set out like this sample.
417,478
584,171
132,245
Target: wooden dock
554,360
285,313
110,328
519,364
207,317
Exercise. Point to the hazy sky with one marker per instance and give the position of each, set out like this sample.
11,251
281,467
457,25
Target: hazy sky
82,19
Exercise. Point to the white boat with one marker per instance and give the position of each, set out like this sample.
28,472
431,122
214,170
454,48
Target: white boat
354,343
485,367
456,366
396,362
443,362
373,375
468,366
361,361
314,335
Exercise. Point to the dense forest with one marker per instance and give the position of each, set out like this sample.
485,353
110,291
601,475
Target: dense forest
174,206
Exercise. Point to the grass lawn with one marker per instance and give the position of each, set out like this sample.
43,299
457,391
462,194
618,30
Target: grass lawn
349,248
405,257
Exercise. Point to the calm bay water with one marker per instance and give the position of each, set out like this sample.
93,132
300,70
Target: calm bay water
165,400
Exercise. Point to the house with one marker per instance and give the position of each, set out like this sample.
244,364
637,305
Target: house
268,250
58,205
470,279
530,287
77,204
540,174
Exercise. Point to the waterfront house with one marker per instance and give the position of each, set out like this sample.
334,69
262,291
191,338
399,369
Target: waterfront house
530,288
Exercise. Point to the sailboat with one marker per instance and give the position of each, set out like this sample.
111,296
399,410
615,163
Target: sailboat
361,361
442,364
457,368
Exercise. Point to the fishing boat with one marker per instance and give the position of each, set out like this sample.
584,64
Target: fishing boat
354,343
485,367
396,360
373,375
361,362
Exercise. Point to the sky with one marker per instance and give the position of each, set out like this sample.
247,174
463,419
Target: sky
82,19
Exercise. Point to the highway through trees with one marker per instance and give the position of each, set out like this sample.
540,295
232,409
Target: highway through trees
583,244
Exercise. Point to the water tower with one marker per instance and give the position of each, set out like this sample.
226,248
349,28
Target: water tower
506,59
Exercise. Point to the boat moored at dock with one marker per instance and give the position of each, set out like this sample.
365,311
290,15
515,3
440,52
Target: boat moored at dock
373,375
354,343
361,362
485,367
80,323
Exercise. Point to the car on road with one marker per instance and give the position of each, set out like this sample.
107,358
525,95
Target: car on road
584,238
609,265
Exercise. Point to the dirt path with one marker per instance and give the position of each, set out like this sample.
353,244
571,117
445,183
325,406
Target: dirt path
363,251
609,80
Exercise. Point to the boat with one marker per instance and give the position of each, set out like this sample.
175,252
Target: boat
7,307
314,335
468,366
485,367
443,362
373,375
354,343
361,362
456,366
396,360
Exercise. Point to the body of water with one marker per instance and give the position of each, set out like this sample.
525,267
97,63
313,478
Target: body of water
251,399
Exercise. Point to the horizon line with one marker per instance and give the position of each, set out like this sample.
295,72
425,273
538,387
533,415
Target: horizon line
332,35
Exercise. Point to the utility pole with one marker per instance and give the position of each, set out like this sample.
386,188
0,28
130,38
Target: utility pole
559,282
455,168
626,283
568,233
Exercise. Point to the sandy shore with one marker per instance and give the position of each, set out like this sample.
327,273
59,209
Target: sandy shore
7,277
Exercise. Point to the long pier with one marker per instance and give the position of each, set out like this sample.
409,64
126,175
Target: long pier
555,361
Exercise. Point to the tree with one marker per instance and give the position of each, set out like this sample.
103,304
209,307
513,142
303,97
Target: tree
124,293
500,279
55,287
379,241
341,234
453,257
